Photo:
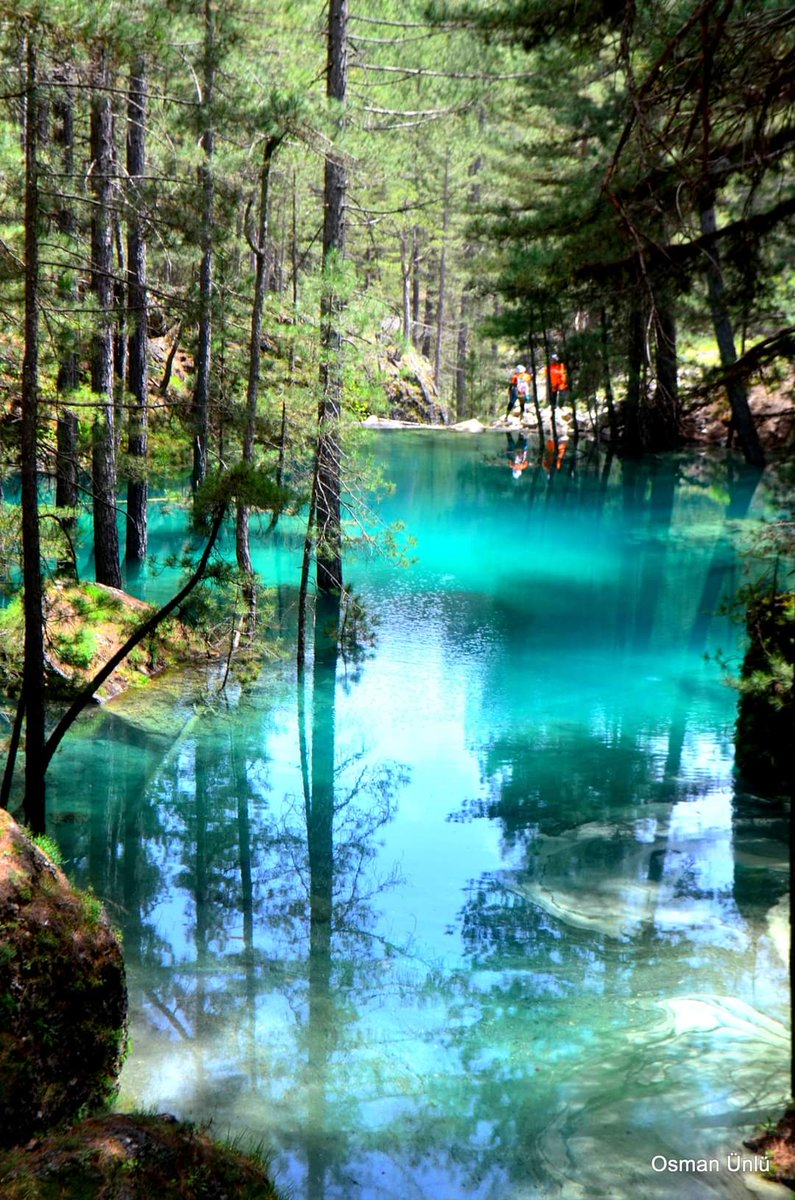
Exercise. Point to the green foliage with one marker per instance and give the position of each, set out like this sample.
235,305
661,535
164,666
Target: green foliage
77,649
49,846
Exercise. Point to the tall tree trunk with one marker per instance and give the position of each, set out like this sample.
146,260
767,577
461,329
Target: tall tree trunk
329,548
106,537
663,420
201,392
33,668
440,308
68,377
612,420
462,359
632,438
426,330
416,259
742,417
259,250
137,307
405,272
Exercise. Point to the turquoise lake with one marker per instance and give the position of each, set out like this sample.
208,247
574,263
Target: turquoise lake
483,913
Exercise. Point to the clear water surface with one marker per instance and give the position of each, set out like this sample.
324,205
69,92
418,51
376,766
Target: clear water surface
489,918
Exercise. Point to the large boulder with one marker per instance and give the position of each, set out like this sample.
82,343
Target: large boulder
62,994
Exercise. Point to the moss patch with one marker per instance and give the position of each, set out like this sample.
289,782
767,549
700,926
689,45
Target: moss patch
119,1157
63,1001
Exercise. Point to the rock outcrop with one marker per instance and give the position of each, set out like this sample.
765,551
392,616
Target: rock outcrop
62,994
408,381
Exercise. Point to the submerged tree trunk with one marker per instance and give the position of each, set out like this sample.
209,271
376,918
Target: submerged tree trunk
329,534
201,392
742,418
137,305
106,537
33,667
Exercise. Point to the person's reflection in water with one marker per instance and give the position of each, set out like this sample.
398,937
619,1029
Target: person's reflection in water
516,454
554,456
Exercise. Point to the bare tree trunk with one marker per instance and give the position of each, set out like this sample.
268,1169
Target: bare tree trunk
106,536
259,250
664,415
609,400
405,272
68,378
201,392
137,304
428,320
742,416
33,668
462,359
440,308
632,439
416,259
329,547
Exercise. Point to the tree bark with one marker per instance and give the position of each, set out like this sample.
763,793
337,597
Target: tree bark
462,359
138,316
416,259
742,417
106,537
259,249
632,439
329,534
440,307
68,378
201,393
33,667
664,411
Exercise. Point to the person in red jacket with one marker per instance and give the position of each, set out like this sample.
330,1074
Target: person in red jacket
558,380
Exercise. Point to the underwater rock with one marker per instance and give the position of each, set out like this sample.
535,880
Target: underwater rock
62,993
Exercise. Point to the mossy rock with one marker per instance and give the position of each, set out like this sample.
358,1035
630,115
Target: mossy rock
63,999
119,1157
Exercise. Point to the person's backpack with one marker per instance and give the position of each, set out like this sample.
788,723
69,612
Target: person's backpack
523,386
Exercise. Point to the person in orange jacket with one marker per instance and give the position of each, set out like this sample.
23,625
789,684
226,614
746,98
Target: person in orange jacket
520,389
558,380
